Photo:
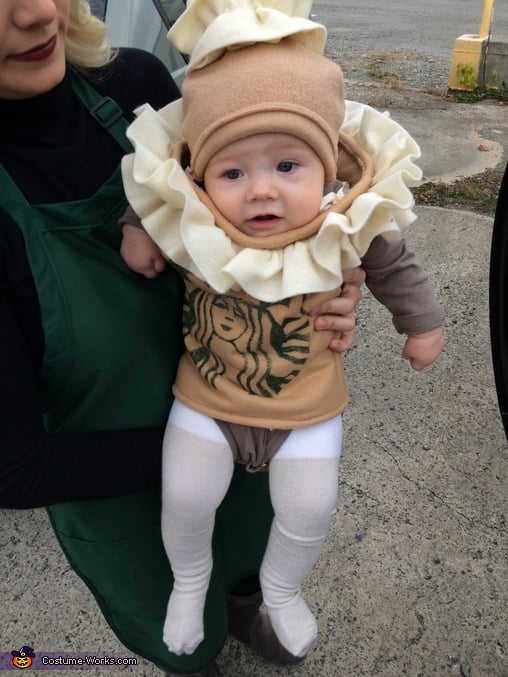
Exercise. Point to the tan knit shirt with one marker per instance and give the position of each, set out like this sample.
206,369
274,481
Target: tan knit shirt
256,363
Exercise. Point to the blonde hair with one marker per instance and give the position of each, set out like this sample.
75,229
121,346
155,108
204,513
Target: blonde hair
86,45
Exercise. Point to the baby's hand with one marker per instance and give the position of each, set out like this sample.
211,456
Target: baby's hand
140,252
423,349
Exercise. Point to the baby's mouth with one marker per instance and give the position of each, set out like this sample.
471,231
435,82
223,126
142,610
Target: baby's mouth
265,217
264,223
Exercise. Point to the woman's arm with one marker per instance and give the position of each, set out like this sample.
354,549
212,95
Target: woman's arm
37,469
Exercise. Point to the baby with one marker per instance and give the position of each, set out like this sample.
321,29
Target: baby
261,206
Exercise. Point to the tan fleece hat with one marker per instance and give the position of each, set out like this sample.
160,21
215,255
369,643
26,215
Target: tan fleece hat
281,87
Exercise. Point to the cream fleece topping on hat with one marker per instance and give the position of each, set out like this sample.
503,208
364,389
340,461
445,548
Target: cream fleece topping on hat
207,28
264,88
185,229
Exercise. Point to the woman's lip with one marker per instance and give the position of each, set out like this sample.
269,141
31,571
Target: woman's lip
38,53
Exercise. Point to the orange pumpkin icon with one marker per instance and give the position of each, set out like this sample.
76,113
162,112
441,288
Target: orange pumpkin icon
23,658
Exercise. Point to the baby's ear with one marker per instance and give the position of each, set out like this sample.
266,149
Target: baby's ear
349,168
180,151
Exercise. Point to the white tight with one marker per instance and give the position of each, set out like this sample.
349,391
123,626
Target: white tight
197,470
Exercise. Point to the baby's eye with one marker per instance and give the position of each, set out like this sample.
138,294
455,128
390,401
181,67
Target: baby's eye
232,174
286,166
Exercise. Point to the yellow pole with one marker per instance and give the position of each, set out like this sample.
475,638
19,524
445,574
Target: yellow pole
488,9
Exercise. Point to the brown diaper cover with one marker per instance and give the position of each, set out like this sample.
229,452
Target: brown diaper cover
255,447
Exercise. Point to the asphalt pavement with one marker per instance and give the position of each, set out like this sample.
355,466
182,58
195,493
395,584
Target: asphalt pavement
414,576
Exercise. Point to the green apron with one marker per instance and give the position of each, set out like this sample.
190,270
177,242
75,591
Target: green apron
112,342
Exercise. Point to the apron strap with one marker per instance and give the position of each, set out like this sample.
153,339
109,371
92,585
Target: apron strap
104,109
106,112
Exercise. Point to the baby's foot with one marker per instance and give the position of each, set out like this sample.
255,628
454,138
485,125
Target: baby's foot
294,625
183,627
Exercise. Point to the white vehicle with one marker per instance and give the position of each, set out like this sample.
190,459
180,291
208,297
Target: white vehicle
144,24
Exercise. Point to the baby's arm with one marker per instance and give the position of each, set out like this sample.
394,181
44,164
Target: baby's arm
137,249
397,279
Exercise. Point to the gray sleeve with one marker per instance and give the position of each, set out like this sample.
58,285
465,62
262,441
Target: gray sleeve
398,280
129,216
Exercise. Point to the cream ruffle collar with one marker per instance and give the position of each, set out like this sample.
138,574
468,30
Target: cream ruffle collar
185,228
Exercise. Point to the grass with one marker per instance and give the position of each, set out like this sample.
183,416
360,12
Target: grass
476,193
402,70
378,71
481,94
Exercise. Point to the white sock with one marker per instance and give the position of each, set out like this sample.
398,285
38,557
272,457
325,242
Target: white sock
183,628
304,494
196,476
295,625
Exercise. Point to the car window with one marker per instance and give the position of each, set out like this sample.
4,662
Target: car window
169,10
144,24
98,8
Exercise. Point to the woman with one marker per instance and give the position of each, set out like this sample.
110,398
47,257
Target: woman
87,348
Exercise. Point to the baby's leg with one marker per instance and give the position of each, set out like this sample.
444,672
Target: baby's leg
196,474
303,485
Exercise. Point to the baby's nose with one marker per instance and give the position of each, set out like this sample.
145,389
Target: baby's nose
262,186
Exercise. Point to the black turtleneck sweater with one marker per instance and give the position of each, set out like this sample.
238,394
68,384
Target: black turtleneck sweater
56,152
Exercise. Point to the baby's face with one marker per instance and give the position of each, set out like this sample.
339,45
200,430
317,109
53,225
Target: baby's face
266,184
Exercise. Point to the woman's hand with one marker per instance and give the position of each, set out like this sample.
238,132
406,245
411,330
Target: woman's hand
339,314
